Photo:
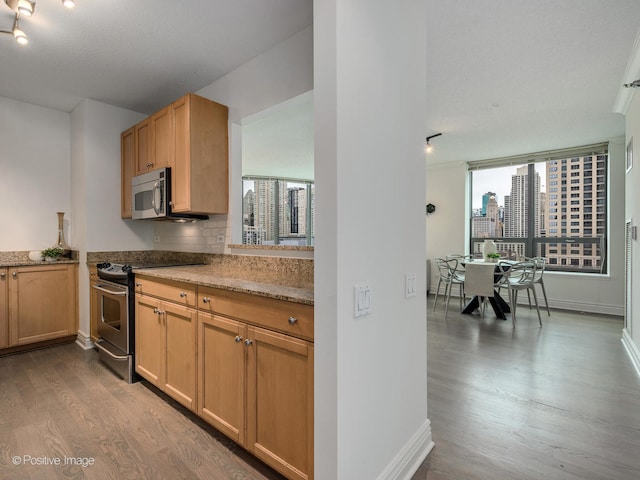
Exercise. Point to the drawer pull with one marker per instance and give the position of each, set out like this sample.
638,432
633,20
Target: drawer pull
248,342
182,294
292,320
238,338
138,284
206,300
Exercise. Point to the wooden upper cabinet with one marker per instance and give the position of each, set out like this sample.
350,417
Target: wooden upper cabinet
190,136
143,146
200,177
128,165
162,138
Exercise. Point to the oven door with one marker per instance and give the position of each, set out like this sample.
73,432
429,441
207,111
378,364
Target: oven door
113,314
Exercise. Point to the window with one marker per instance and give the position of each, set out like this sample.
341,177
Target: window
278,211
524,216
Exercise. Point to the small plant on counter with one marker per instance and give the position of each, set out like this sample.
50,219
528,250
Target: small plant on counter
53,252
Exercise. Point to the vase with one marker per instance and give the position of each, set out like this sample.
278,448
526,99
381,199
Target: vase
61,242
489,246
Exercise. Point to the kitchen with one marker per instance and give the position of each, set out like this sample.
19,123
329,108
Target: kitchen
110,236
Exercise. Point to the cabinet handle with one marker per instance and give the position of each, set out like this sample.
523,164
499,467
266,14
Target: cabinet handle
138,284
182,294
292,320
155,310
206,300
15,274
248,342
238,338
2,275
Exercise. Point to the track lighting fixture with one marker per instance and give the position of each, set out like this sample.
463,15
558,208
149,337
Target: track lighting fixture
25,8
428,148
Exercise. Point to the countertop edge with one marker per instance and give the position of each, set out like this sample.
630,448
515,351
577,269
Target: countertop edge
292,294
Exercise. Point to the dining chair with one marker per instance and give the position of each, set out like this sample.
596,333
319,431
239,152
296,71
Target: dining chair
449,275
540,263
515,277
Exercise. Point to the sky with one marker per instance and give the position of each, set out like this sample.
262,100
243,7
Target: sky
498,180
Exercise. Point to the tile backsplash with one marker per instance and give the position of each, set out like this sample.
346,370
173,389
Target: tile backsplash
206,236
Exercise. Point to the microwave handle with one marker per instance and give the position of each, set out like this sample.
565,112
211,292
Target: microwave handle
156,186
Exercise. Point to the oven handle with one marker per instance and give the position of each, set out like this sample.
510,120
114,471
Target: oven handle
102,349
110,292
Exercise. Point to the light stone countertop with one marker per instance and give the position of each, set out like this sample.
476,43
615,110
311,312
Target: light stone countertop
261,283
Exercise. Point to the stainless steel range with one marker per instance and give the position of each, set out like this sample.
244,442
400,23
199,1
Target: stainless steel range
116,318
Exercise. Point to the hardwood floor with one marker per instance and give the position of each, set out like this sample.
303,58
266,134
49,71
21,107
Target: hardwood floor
561,401
61,404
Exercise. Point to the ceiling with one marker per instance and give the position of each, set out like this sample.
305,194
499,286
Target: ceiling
504,77
510,77
140,55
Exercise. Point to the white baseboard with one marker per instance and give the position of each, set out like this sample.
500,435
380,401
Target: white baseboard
84,341
409,459
632,350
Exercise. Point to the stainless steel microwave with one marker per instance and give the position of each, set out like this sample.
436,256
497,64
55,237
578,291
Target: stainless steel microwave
151,197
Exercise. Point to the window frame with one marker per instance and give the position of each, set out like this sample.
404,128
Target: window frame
533,244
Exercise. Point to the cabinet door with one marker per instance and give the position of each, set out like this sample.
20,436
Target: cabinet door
143,146
162,138
127,169
180,372
280,402
4,310
221,374
42,303
150,340
181,173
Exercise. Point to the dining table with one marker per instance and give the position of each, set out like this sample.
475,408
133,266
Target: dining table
480,280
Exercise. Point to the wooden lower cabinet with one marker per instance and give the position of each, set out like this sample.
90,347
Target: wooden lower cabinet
166,347
280,402
42,303
222,374
4,310
256,386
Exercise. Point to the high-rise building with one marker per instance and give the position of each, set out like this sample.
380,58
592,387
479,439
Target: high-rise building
485,201
576,207
516,205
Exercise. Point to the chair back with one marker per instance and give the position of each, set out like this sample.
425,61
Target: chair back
446,268
540,263
521,273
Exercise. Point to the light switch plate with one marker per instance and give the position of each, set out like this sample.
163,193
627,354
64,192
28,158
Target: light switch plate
409,285
361,300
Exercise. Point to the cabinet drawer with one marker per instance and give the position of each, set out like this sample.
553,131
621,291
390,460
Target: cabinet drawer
287,317
178,292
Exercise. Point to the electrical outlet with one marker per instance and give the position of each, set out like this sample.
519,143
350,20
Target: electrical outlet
156,238
220,239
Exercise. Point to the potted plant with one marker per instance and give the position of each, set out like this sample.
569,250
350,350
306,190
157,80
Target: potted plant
493,257
52,254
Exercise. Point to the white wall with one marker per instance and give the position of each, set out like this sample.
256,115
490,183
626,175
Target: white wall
370,376
631,336
446,233
34,175
95,174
